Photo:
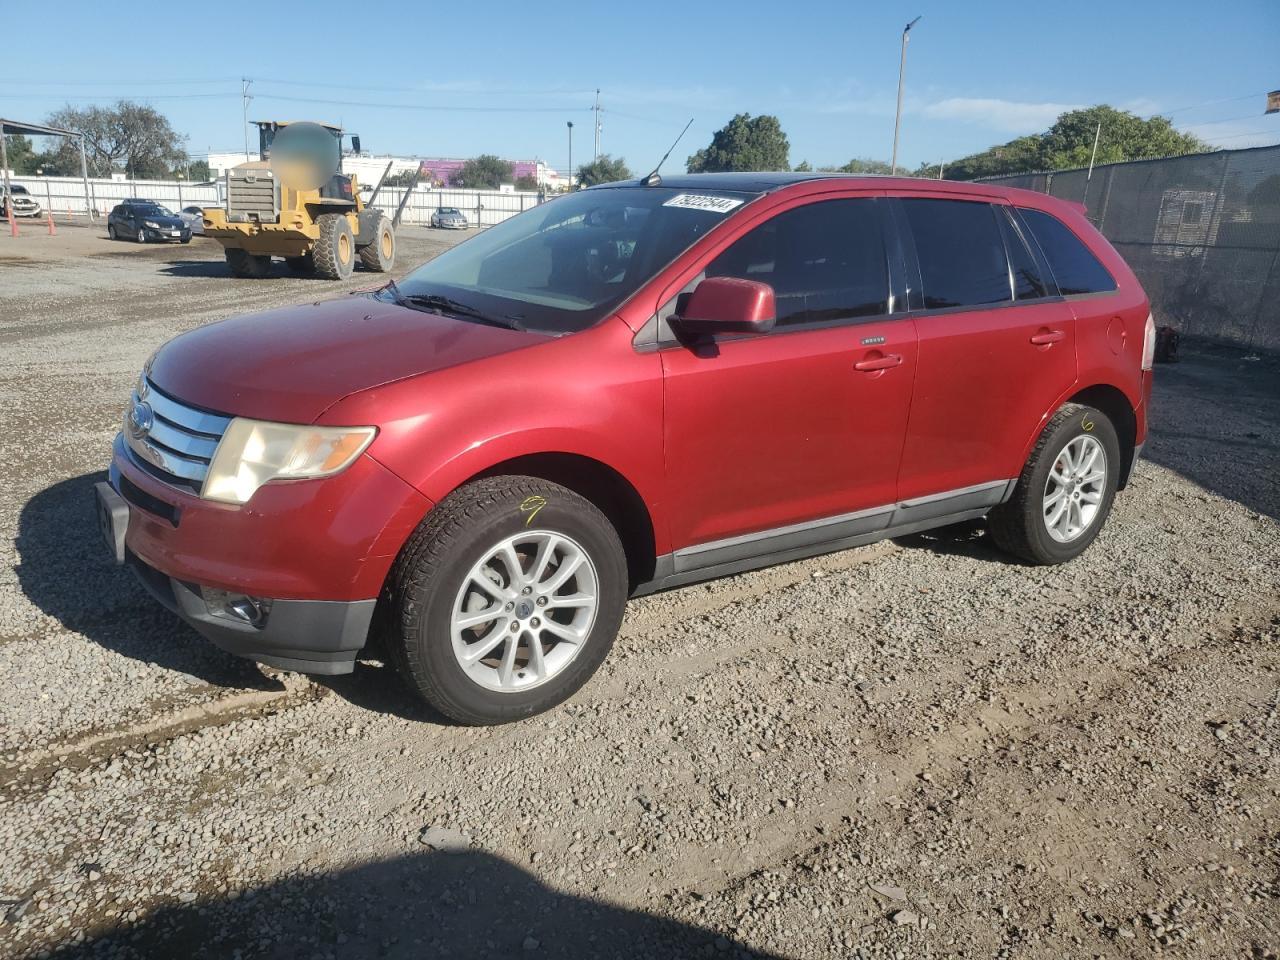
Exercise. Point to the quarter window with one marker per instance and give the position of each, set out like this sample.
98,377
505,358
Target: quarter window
825,261
1074,267
1027,282
961,252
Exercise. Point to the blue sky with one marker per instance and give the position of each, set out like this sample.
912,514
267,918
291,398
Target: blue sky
413,79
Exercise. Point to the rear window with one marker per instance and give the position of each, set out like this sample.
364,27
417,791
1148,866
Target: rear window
1074,267
961,252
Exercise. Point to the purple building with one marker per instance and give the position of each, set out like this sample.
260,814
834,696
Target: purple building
441,169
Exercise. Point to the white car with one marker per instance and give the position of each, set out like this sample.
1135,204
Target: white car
24,205
193,217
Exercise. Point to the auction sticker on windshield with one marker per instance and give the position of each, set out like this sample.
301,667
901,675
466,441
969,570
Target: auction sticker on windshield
699,201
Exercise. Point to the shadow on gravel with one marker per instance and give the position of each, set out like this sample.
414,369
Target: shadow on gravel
1215,419
968,538
377,687
199,268
463,904
63,568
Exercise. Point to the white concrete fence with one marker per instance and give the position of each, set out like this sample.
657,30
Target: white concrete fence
66,196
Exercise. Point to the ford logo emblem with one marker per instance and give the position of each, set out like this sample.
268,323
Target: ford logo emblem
141,418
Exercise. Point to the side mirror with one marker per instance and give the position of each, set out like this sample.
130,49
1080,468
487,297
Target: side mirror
728,305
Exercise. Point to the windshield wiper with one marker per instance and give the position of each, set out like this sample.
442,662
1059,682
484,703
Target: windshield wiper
442,304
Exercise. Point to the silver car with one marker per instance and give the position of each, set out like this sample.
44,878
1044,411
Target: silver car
24,205
193,217
449,218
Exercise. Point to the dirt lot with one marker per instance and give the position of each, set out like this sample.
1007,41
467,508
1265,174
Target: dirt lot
916,749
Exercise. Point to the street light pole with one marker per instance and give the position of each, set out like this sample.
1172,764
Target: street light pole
902,69
569,188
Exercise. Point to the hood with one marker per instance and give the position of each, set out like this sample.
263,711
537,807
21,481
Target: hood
291,364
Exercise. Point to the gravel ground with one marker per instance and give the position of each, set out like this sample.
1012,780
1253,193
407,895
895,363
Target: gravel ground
914,749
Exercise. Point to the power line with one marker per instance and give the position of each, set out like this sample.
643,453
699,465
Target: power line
1210,103
417,106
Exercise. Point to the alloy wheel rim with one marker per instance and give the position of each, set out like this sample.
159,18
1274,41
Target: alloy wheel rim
1074,489
524,611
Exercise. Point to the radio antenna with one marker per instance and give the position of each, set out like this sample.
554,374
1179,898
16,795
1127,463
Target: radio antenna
653,180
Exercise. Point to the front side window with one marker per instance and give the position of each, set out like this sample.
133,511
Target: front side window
562,266
825,261
1074,267
961,252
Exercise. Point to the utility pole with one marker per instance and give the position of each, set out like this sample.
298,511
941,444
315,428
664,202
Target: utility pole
570,186
902,69
596,108
245,98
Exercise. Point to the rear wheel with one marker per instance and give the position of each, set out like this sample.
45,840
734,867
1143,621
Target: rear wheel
335,251
380,255
506,599
1065,491
248,265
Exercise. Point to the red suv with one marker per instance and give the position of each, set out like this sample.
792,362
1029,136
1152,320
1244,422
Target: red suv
633,387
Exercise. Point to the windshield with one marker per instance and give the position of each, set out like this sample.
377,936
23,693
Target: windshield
562,266
153,210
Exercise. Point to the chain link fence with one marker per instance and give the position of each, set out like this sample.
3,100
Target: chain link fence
1201,232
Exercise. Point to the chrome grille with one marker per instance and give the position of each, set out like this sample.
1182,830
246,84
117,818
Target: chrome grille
252,197
174,440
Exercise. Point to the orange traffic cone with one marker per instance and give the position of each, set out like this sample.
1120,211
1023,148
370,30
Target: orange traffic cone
53,231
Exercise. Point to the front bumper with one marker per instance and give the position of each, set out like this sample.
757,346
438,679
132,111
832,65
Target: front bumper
170,234
318,550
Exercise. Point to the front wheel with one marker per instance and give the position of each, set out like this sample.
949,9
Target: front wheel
1065,491
506,600
334,254
380,255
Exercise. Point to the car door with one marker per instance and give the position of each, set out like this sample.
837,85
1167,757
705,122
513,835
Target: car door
996,350
780,441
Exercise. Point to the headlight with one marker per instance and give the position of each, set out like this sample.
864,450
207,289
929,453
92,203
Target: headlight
153,226
253,452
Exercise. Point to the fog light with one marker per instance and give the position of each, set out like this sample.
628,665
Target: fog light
237,606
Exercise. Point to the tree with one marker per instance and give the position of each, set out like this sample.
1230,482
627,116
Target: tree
197,171
803,167
859,165
744,143
526,181
1069,143
22,156
485,172
604,169
129,135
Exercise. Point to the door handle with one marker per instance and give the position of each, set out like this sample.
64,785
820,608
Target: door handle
879,363
1047,337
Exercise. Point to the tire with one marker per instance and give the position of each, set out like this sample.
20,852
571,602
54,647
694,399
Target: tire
1073,440
111,232
380,256
248,266
335,251
435,575
303,266
140,237
186,239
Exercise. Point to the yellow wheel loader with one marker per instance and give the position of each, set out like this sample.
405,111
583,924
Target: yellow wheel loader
295,202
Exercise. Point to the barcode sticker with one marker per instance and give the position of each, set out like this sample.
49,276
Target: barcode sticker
701,201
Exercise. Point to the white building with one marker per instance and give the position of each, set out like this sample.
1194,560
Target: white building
368,168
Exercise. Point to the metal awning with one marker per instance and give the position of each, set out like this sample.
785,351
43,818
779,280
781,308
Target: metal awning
22,128
34,129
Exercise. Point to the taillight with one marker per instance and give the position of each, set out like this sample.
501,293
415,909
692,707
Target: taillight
1149,343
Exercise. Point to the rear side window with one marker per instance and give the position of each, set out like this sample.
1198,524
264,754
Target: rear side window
961,252
1074,267
825,261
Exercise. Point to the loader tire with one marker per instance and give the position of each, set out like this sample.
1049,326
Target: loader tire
248,265
380,255
335,252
